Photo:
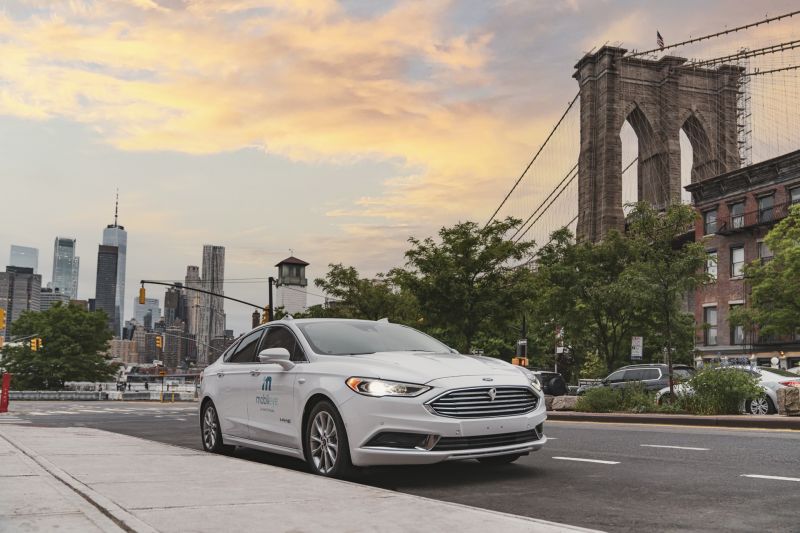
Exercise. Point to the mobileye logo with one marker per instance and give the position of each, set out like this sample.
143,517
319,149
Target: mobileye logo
267,383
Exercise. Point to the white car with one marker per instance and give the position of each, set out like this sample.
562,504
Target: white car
341,393
769,379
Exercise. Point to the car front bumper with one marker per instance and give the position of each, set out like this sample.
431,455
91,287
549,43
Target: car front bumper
448,438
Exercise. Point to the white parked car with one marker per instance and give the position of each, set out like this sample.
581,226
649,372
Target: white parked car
341,393
770,380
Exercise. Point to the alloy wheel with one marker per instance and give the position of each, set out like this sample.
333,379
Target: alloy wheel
210,427
759,406
324,442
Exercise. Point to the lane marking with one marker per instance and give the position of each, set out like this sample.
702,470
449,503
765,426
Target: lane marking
777,478
587,460
675,447
643,425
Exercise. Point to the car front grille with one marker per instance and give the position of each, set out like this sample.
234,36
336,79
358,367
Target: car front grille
485,402
447,444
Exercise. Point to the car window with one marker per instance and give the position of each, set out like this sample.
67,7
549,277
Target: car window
682,373
650,373
636,374
246,350
280,337
226,355
616,376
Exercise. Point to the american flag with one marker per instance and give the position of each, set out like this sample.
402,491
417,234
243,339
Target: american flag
659,40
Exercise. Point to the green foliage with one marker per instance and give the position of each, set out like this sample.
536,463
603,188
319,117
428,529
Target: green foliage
775,296
720,391
633,398
468,285
600,400
593,367
357,297
74,341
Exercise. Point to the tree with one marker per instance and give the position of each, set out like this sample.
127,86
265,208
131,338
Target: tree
74,342
775,285
470,284
371,299
581,289
665,270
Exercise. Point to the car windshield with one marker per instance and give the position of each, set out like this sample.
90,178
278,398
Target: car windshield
358,338
778,371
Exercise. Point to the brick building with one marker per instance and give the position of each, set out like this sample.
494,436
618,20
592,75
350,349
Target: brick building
737,210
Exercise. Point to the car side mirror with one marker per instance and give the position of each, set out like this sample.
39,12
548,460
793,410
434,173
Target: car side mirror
276,356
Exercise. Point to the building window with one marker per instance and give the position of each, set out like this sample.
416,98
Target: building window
737,332
711,264
764,253
710,319
765,208
710,222
737,262
794,195
737,215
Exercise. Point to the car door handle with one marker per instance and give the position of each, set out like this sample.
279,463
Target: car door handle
254,372
220,374
301,381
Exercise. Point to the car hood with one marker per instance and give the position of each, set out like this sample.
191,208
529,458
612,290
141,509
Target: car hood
423,367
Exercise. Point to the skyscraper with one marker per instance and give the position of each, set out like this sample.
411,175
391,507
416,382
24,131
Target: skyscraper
212,314
65,267
192,299
140,311
115,235
24,257
106,286
20,290
174,306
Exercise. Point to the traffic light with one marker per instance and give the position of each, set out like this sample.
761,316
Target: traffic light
2,319
141,296
159,342
265,316
36,344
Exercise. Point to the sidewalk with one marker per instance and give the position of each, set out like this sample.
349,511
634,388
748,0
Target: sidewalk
80,479
731,421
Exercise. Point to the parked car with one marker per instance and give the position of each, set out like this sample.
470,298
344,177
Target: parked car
553,383
652,376
769,379
342,393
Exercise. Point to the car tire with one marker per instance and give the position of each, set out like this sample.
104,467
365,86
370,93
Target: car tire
665,399
325,445
557,386
210,431
759,406
500,459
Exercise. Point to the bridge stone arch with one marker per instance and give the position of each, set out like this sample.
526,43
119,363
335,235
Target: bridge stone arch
658,98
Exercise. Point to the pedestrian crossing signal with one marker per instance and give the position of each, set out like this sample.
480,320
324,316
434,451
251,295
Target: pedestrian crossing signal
519,361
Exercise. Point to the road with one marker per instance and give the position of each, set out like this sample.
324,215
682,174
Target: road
612,477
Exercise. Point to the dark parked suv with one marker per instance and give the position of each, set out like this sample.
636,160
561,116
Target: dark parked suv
653,377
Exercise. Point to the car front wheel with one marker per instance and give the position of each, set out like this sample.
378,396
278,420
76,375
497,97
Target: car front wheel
211,432
327,450
760,406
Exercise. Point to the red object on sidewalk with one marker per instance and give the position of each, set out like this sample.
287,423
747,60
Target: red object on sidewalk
4,392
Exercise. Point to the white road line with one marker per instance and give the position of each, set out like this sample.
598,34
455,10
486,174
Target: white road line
675,447
587,460
778,478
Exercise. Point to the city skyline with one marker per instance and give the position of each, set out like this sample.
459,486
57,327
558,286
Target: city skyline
447,114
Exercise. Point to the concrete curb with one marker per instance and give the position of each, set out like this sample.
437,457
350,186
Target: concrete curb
122,518
730,421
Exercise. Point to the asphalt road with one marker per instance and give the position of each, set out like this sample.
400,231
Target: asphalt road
612,477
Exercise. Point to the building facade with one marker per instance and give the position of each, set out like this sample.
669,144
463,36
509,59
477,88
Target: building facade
291,292
115,235
105,291
737,209
50,296
65,267
20,290
125,350
24,257
211,314
150,308
174,305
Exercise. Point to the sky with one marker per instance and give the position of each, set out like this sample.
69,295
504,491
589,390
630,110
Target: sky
328,130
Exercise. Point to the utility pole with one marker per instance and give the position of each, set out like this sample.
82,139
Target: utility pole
271,310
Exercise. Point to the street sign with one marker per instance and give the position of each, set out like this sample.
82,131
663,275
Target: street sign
636,347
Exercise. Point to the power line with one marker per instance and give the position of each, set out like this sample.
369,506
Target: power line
560,120
714,35
746,54
762,72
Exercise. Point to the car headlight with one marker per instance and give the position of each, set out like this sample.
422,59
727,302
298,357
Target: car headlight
531,377
381,387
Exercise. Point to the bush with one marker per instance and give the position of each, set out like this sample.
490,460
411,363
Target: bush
720,391
600,400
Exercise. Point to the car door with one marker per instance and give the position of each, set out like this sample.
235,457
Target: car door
615,379
272,411
235,376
